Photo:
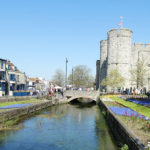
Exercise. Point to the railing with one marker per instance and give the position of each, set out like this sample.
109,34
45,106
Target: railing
12,79
21,93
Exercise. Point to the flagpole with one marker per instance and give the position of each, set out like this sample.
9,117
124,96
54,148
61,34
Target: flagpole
72,77
121,19
120,24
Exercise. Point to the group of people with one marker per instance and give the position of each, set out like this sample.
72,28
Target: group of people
82,89
134,91
53,92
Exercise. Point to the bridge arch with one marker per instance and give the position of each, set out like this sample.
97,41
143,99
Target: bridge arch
81,99
75,94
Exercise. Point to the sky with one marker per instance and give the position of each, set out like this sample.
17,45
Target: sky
38,35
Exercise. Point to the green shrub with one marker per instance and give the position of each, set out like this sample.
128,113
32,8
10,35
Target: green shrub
125,147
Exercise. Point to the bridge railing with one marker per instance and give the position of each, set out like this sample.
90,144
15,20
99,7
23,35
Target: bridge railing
77,93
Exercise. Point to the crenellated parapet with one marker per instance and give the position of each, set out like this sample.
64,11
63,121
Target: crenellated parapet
141,45
124,32
112,33
138,45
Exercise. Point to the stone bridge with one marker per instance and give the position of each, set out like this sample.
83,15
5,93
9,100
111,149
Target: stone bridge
74,94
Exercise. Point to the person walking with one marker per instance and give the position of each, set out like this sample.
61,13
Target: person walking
62,93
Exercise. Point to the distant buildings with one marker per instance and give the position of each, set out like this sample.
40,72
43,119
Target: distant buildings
14,81
31,84
39,84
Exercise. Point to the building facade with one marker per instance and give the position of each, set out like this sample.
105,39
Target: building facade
37,85
11,79
16,79
118,51
3,81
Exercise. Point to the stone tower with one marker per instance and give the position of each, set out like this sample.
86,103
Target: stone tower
103,61
119,52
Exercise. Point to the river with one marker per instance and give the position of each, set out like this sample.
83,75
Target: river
62,127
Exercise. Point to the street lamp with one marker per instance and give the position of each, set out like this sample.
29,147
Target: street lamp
66,71
72,76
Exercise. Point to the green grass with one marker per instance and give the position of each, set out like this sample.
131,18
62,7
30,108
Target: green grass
10,122
19,102
138,108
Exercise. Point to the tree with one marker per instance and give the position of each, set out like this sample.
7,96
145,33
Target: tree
81,77
138,72
59,77
113,79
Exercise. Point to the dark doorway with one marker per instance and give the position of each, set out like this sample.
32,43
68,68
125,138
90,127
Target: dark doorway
6,88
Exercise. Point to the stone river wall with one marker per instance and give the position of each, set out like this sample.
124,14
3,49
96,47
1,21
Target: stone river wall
18,112
119,130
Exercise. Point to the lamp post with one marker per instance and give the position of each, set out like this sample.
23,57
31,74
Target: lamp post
66,71
72,76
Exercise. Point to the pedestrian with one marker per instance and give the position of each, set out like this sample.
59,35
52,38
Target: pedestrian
130,90
127,91
141,91
62,93
144,91
134,91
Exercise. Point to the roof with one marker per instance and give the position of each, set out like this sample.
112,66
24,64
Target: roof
9,63
3,59
33,79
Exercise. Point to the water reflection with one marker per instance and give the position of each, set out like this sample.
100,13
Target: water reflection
63,127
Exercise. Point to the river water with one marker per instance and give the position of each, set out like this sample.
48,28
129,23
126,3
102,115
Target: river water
62,127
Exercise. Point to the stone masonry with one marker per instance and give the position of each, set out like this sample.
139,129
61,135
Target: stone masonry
118,51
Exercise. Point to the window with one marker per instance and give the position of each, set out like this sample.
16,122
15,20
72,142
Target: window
12,87
2,75
2,86
1,64
18,78
18,87
12,77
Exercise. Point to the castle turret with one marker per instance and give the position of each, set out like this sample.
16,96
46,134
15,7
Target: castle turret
119,52
103,60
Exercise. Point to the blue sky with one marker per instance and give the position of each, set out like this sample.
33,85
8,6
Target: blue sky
37,35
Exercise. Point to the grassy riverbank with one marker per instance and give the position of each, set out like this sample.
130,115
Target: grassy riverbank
33,101
138,126
9,124
9,117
